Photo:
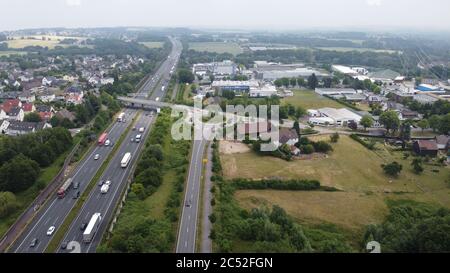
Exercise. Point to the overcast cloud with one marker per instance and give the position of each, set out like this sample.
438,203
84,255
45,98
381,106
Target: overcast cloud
262,14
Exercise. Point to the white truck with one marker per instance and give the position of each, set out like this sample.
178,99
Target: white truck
125,160
92,227
121,116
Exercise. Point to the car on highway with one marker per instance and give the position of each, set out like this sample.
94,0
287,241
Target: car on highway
50,230
134,128
64,245
138,138
132,139
108,182
76,195
96,156
34,242
104,189
76,185
107,142
83,226
100,183
188,203
141,129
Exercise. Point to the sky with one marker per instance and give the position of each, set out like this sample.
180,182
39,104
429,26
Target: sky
242,14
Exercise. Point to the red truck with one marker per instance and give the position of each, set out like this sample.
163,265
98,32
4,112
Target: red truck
64,188
102,139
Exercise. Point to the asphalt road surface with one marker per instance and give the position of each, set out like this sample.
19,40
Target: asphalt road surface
105,203
188,225
55,210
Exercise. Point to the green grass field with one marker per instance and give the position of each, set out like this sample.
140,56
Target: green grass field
153,44
359,49
50,41
217,47
308,99
11,52
353,169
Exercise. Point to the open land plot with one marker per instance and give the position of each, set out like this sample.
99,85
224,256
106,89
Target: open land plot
217,47
10,52
351,168
153,44
359,49
50,41
308,99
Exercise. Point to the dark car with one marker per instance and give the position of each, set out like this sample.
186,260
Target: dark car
64,245
76,195
76,185
101,183
34,242
83,226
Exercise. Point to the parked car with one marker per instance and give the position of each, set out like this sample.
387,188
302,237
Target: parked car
50,230
34,242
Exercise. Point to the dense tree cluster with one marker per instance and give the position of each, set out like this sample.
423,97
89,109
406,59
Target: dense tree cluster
412,227
21,157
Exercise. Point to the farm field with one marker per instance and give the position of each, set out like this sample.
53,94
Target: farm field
308,99
218,47
359,49
50,41
351,168
9,53
153,44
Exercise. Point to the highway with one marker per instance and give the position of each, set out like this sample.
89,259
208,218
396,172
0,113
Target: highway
188,225
54,212
106,203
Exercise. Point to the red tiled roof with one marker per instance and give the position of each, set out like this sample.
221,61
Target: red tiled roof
45,115
27,107
428,145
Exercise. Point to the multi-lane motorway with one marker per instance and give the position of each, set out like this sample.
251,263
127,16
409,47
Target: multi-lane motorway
56,210
188,225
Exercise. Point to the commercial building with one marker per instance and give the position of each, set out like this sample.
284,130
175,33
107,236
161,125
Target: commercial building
272,71
332,116
335,91
226,68
266,90
239,86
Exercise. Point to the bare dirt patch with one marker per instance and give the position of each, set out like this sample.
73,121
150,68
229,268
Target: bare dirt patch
232,147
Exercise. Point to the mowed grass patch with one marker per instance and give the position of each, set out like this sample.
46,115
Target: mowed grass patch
153,44
349,210
217,47
9,53
308,99
358,49
350,167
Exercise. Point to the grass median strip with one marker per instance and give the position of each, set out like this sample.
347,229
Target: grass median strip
62,230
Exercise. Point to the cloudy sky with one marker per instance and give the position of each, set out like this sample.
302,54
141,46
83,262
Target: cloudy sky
255,14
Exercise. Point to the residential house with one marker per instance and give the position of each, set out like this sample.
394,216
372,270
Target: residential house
74,95
15,113
287,136
408,114
17,128
26,96
47,96
47,81
443,142
28,108
65,114
426,147
106,81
